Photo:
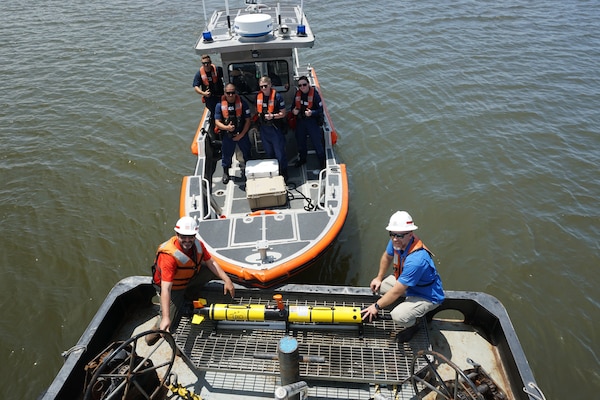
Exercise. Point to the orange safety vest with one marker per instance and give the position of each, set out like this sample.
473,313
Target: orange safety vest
186,266
225,112
307,104
416,245
214,75
225,107
271,104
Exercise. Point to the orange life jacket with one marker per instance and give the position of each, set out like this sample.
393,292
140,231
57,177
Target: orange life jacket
225,112
271,104
214,76
225,107
304,105
416,245
204,76
186,266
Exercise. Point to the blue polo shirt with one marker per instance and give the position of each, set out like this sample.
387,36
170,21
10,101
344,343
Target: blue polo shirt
419,274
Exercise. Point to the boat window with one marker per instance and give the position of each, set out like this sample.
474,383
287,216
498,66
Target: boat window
245,75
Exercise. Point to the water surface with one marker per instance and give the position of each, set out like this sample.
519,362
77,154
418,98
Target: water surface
479,118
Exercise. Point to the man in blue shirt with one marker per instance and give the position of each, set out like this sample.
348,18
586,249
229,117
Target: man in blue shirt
415,277
208,83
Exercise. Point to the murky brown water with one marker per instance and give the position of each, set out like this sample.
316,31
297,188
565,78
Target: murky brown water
479,118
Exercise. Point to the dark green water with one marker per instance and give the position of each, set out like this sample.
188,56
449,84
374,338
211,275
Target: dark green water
479,118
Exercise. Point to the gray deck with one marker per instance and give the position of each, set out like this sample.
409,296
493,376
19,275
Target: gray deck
231,370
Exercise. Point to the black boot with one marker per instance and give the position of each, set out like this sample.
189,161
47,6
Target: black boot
322,164
299,163
225,175
406,334
284,173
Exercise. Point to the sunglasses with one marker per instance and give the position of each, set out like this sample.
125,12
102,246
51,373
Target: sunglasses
206,63
303,84
230,93
264,86
398,235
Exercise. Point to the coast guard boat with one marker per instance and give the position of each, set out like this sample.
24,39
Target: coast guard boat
295,342
260,229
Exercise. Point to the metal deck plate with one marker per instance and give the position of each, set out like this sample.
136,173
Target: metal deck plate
365,353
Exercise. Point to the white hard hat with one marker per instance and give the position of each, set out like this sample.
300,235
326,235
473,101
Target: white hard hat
401,221
186,226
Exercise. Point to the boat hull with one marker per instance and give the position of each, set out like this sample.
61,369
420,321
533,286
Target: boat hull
262,235
223,357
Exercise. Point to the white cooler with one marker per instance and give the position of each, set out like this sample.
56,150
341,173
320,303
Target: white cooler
262,169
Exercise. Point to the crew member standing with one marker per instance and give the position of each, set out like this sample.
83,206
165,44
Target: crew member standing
208,83
308,109
232,118
270,107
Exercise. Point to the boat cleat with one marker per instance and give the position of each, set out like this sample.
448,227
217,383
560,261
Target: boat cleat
262,246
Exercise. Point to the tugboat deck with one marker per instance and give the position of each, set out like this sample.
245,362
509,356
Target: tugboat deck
359,353
235,359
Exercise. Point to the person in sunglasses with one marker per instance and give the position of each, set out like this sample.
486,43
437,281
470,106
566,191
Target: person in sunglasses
181,269
308,109
232,119
208,83
270,107
415,277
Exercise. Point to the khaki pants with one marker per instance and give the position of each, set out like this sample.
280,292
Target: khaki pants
406,313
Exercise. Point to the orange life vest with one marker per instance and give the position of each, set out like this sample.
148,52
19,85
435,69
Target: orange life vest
225,112
225,107
416,245
304,105
213,74
186,266
260,102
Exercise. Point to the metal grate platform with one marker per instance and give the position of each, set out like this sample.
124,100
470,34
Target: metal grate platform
366,353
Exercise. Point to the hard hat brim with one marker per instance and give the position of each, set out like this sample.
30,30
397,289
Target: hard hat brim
392,228
184,232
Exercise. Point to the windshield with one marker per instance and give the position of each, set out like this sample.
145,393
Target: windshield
245,75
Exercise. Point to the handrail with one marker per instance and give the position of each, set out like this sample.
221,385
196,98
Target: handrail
321,187
212,204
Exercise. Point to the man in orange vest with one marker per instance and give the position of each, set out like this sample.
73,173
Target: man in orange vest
232,119
181,268
270,107
208,83
415,277
308,109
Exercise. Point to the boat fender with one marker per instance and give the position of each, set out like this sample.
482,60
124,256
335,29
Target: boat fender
334,136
